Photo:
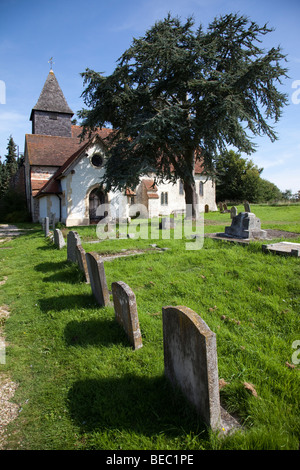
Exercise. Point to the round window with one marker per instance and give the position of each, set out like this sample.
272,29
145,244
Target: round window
97,160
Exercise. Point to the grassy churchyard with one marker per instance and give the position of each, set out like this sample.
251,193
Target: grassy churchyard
77,382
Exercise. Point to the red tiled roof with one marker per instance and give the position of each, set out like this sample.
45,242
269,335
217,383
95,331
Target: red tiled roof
48,150
149,185
37,184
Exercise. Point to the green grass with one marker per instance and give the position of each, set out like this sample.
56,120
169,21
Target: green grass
81,385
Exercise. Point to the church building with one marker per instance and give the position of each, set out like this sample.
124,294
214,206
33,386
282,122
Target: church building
63,172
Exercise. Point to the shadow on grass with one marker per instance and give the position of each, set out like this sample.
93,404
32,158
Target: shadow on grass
147,406
95,333
64,272
52,266
68,302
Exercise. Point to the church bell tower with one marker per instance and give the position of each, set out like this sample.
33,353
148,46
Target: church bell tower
51,115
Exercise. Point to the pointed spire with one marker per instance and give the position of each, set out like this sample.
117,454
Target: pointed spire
52,98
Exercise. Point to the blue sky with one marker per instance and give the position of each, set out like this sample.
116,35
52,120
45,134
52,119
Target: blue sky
94,34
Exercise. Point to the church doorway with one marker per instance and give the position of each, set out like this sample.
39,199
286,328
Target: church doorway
96,198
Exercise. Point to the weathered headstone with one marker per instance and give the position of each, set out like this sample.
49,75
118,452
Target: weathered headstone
52,220
221,206
46,226
126,312
97,278
245,225
167,223
247,206
81,260
59,240
73,240
233,212
190,359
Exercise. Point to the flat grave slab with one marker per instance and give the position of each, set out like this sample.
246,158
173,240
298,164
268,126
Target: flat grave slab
283,248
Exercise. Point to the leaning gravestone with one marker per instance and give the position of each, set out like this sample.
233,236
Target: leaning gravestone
97,278
73,240
126,312
81,260
59,240
190,359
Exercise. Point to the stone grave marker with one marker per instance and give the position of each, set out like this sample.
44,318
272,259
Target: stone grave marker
46,226
97,278
233,212
190,360
59,240
167,223
73,240
247,206
52,220
283,248
244,225
126,312
81,260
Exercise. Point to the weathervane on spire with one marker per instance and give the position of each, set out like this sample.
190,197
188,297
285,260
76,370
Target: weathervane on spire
50,61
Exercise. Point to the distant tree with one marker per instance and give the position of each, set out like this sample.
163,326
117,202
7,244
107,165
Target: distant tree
9,167
178,90
287,194
237,177
268,191
11,157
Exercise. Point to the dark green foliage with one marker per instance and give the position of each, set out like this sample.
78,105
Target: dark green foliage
13,207
238,179
9,167
177,90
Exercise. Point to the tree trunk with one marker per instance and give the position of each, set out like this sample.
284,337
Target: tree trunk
190,199
190,186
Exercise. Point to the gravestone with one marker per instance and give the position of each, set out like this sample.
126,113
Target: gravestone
233,212
97,278
73,240
245,225
59,240
46,226
81,260
126,312
167,223
247,206
221,206
283,248
52,220
190,359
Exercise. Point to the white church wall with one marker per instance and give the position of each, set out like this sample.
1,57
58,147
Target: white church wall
49,205
171,198
81,179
